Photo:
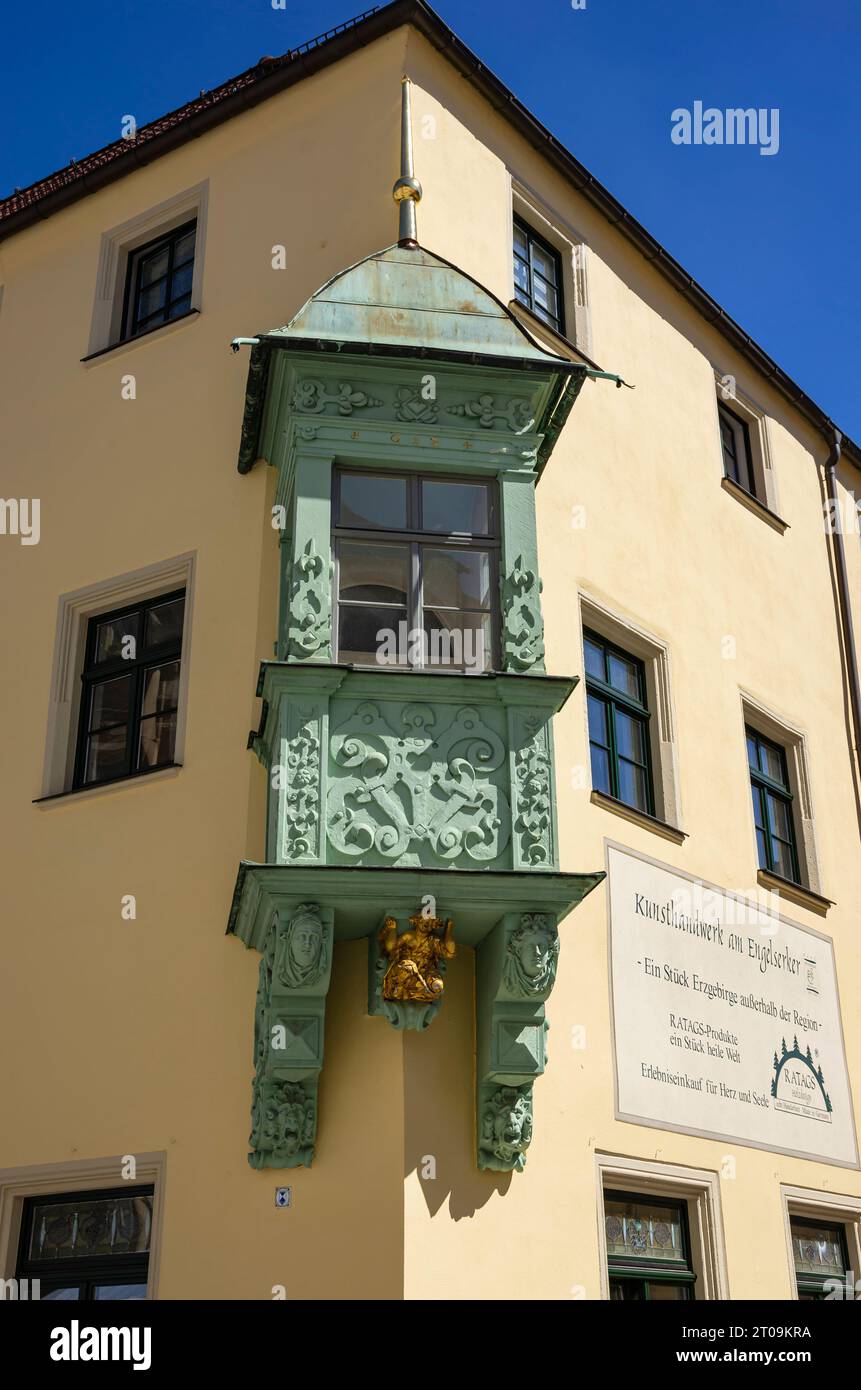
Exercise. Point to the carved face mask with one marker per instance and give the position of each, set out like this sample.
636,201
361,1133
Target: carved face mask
306,941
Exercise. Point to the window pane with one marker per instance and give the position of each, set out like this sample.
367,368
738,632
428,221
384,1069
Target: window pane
752,752
457,639
375,573
151,300
357,635
639,1228
109,702
106,754
782,856
154,266
111,635
456,578
455,507
779,816
86,1227
594,659
773,763
627,1291
161,689
598,720
373,501
521,277
157,740
184,249
600,769
520,242
757,808
761,851
68,1295
817,1249
181,281
180,306
545,297
164,623
633,787
124,1291
630,737
624,675
659,1291
543,263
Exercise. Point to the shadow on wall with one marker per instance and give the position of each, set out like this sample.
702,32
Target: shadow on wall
439,1102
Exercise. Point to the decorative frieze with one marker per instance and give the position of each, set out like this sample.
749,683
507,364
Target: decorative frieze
311,397
515,413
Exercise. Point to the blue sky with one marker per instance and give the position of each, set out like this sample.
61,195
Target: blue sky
773,238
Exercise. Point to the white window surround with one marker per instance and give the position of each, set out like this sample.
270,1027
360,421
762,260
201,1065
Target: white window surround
573,254
697,1187
119,242
832,1207
74,611
78,1175
794,742
761,461
655,655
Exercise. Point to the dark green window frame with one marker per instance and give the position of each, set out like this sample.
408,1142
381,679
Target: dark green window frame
768,792
617,704
83,1274
528,279
811,1287
631,1277
176,279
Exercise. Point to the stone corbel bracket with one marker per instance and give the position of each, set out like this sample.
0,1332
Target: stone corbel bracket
295,970
515,972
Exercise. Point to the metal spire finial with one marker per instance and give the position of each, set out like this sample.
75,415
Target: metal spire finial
407,190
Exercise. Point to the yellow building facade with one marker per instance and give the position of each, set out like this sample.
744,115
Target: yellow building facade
128,1013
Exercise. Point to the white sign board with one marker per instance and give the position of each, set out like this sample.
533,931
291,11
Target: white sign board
726,1018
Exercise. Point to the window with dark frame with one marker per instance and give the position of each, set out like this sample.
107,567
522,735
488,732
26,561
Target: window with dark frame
130,690
819,1253
538,276
648,1248
735,445
415,556
158,281
87,1245
772,806
618,723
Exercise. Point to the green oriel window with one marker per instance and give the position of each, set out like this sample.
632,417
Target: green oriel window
130,693
538,276
416,571
648,1248
618,723
772,806
87,1245
158,281
819,1254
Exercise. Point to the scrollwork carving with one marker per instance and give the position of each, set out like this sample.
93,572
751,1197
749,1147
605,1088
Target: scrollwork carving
523,629
516,414
311,397
310,629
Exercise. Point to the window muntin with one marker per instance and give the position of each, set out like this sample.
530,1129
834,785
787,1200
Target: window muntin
538,276
88,1245
159,280
772,806
130,690
618,723
415,556
735,446
819,1254
648,1248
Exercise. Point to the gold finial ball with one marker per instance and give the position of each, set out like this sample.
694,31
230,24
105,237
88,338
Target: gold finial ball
408,188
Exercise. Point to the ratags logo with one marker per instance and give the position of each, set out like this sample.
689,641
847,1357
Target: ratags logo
798,1086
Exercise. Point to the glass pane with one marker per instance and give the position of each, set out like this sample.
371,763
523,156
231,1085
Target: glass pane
151,300
643,1229
630,737
659,1291
752,754
782,856
772,763
184,249
106,755
594,659
180,283
627,1291
161,689
111,637
114,1291
154,266
598,720
817,1249
109,702
600,769
780,817
68,1295
543,263
457,639
633,786
520,242
545,297
373,635
624,675
164,623
157,740
375,573
456,507
180,306
761,852
521,277
456,578
757,808
373,501
86,1227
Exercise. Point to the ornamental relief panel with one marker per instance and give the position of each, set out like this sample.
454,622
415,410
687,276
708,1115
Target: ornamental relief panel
419,400
417,785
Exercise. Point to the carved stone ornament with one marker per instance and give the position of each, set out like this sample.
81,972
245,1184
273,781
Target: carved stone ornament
531,955
302,790
411,407
533,798
407,970
310,629
516,414
420,787
311,397
302,954
522,625
504,1127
